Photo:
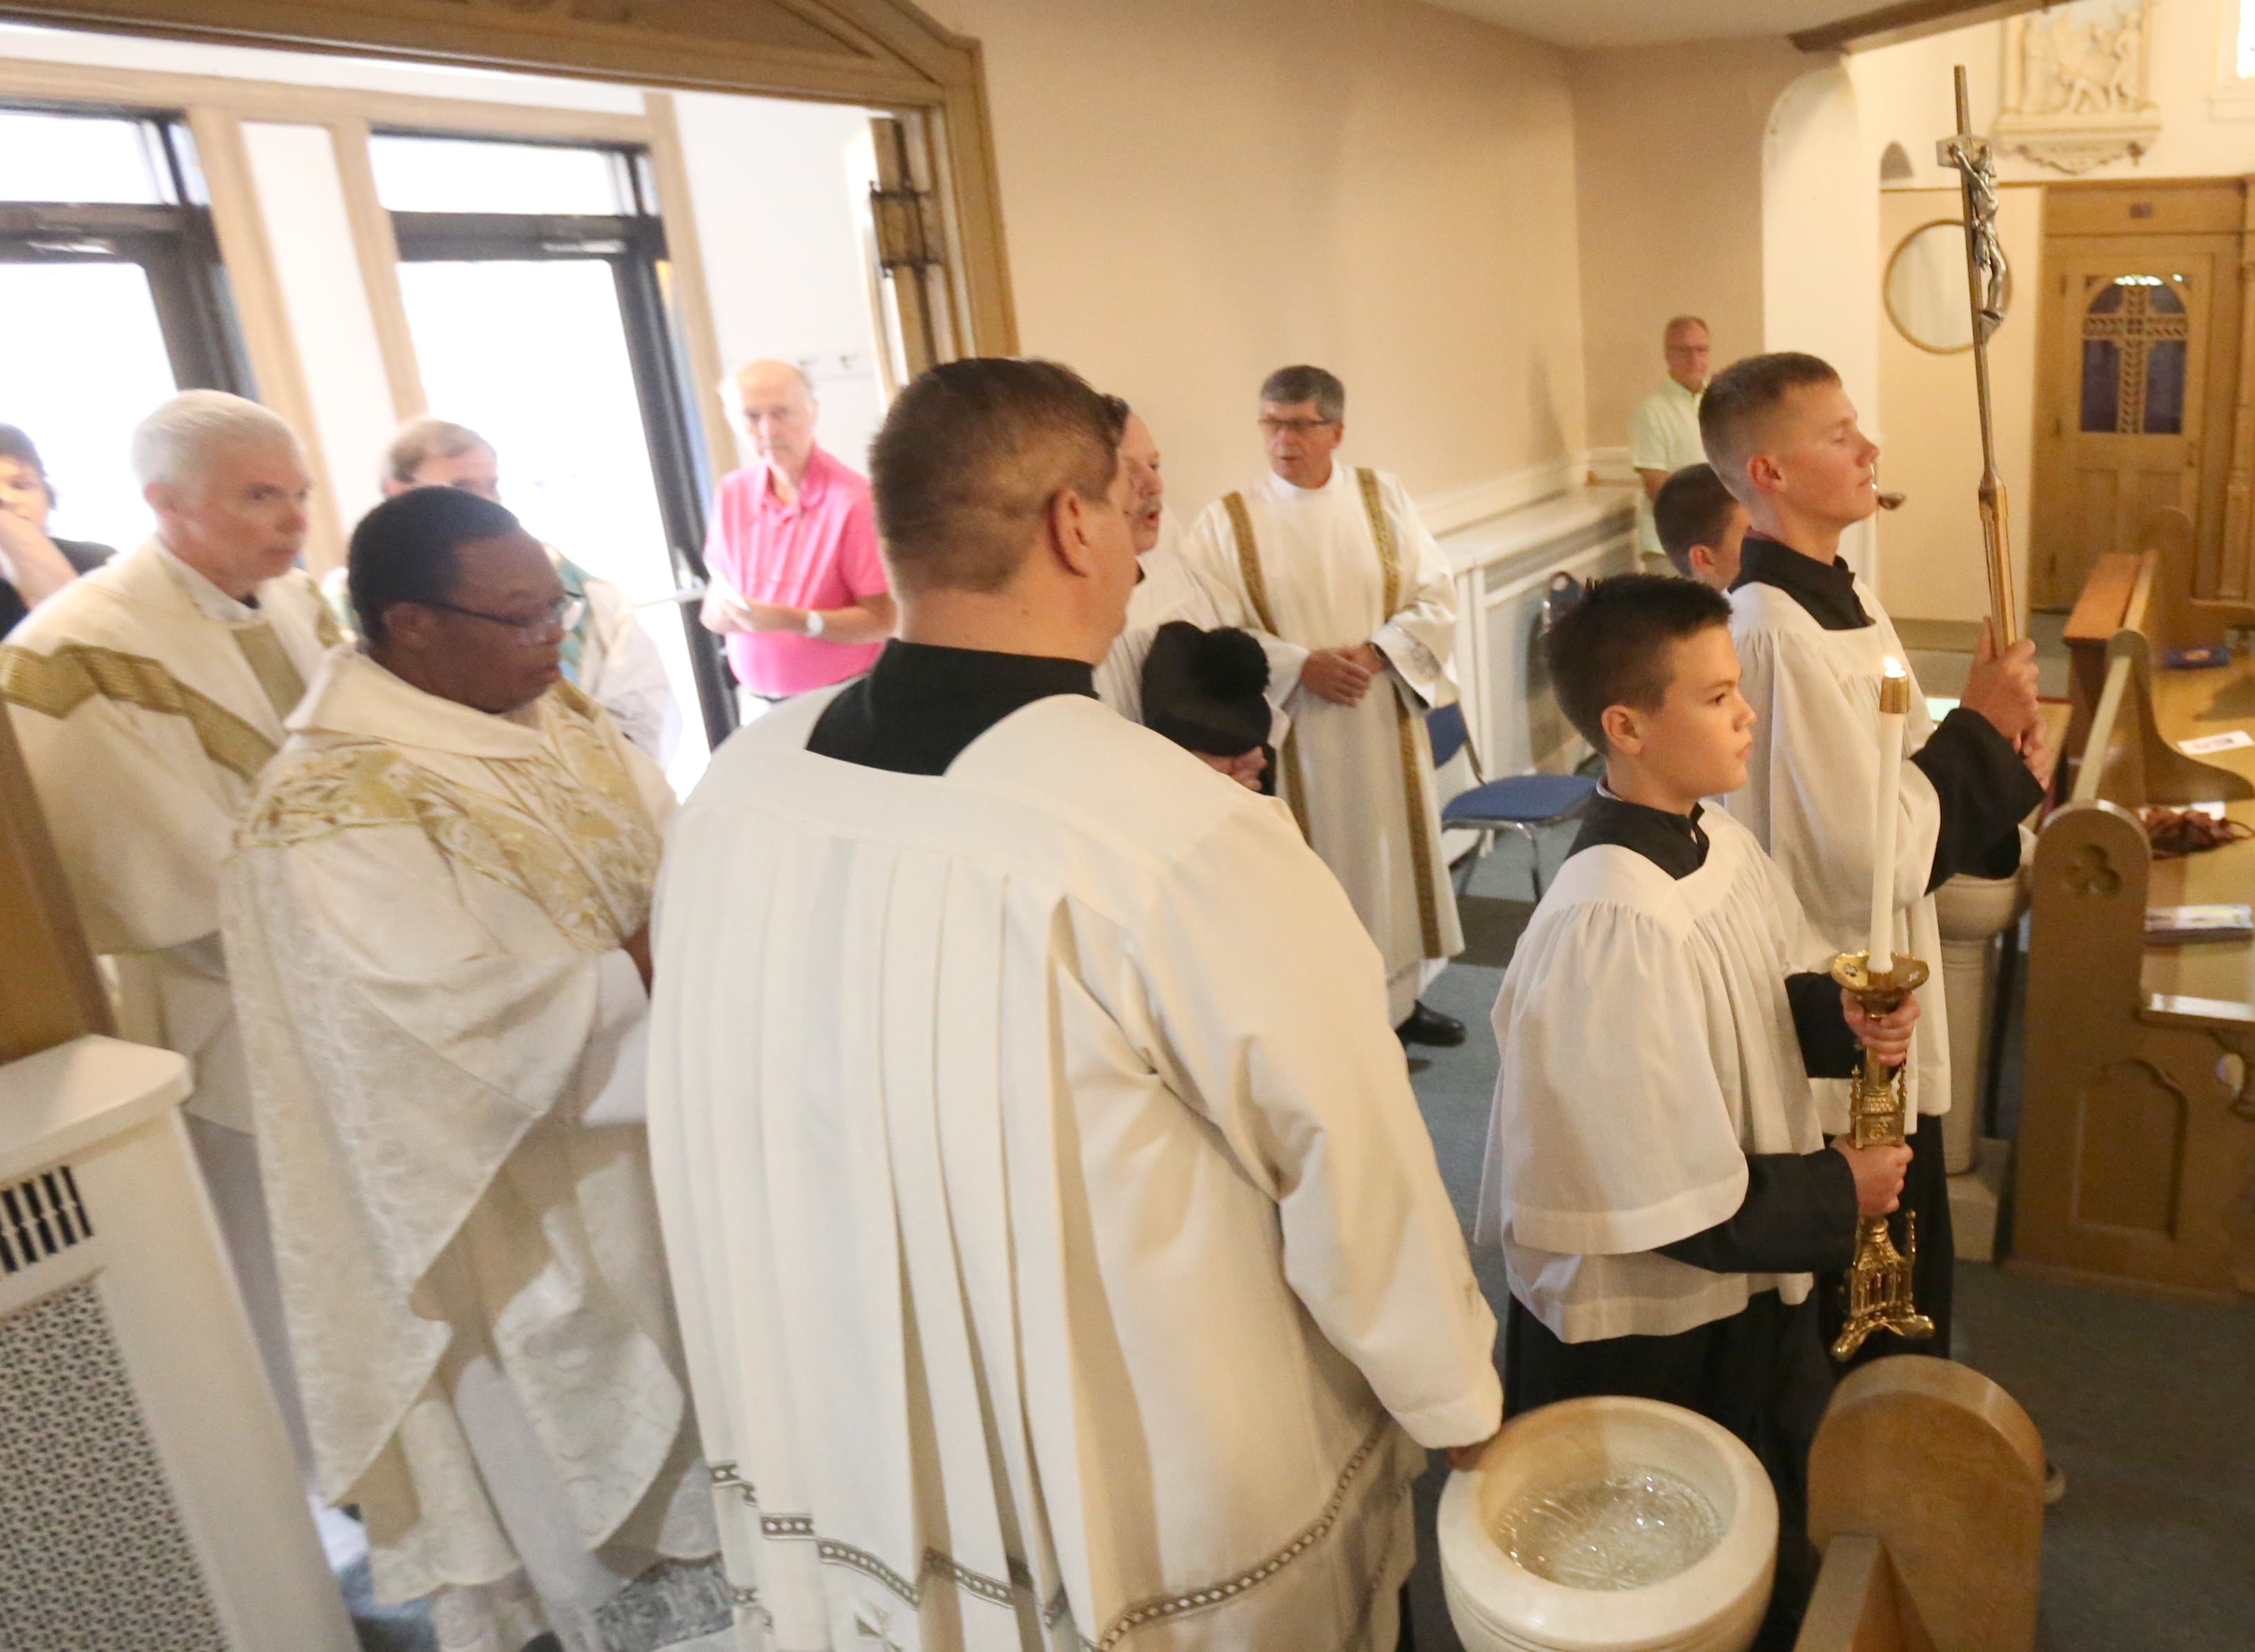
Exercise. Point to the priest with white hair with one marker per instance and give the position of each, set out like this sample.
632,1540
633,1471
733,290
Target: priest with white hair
437,918
1333,570
146,696
1061,1257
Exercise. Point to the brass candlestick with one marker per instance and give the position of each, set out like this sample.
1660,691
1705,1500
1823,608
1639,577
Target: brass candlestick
1880,1278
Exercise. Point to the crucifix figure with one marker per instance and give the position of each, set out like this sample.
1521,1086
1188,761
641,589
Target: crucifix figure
1985,280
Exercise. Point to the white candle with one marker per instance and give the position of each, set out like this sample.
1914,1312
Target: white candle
1895,705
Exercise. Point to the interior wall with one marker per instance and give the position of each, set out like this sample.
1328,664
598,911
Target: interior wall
1932,566
1906,91
1196,194
1668,147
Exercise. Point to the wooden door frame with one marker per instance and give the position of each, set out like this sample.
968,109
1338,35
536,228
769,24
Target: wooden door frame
883,54
2079,211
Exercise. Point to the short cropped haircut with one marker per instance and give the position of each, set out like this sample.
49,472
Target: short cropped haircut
1693,509
1735,413
969,458
1676,323
176,443
407,549
1613,646
1288,385
421,440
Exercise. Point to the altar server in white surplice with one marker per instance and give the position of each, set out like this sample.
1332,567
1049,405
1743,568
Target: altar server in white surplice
1814,641
1168,591
1061,1256
1331,567
438,916
146,696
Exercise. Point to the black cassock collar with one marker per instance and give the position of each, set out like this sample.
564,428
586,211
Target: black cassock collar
922,704
1676,844
1827,590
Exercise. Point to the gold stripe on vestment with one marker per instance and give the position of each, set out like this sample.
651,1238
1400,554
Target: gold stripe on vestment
1405,721
270,663
58,683
1256,592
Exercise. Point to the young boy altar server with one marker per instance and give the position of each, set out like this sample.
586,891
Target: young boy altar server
1814,643
1663,1199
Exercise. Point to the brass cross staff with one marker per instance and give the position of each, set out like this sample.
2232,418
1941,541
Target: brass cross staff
1986,276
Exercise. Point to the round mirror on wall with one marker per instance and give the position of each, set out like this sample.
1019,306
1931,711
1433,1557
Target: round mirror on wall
1925,288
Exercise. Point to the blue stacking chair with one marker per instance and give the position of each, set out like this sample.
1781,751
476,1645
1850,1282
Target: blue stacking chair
1520,803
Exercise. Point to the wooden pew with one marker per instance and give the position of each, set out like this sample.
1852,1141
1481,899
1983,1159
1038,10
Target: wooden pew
1926,1496
2136,1141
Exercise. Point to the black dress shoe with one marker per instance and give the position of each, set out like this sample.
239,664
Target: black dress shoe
1430,1027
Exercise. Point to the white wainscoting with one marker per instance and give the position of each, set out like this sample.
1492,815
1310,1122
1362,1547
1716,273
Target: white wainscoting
1504,563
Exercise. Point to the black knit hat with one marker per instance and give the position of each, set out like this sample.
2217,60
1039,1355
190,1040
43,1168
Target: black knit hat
1206,689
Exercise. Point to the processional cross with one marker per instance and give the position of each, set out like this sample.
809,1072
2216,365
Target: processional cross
1986,276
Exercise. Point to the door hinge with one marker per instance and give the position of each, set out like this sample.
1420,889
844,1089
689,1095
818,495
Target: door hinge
908,229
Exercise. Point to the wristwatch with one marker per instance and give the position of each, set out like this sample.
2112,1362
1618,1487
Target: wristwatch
813,623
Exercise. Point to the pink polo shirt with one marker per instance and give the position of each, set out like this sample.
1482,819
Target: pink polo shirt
818,552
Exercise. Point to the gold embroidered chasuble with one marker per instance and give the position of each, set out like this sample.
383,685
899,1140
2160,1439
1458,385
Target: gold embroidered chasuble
147,702
424,917
1330,567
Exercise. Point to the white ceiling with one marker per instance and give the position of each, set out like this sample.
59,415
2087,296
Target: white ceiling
1591,23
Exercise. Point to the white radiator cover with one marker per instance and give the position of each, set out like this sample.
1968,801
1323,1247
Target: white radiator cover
148,1501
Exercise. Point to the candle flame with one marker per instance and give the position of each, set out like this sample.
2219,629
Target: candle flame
1894,667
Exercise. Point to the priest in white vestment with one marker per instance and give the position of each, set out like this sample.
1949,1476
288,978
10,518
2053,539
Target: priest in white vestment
438,915
1061,1256
608,654
146,696
1354,600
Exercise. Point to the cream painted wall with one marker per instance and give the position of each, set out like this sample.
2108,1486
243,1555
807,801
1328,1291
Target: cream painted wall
1906,97
1820,237
1195,194
1931,563
1669,141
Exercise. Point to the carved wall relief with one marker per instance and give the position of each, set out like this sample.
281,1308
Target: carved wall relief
2078,84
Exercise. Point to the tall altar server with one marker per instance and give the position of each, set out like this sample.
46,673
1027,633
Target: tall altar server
1168,591
1061,1258
146,696
1662,1197
1814,641
1351,597
438,922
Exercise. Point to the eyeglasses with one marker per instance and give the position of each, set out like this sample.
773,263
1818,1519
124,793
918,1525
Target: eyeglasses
1297,427
561,615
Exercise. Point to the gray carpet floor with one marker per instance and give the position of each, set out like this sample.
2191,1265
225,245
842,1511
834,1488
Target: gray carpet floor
2148,1403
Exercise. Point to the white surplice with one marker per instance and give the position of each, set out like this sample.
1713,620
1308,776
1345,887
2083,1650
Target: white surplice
424,916
1811,796
1330,567
1061,1256
1603,1147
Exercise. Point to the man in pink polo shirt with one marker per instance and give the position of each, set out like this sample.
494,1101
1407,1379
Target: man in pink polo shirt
797,585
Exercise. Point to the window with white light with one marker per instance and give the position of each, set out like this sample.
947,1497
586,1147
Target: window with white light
535,281
114,298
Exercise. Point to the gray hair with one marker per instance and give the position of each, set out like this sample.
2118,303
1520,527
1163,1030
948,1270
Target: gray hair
1675,324
177,441
421,440
1289,385
729,384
